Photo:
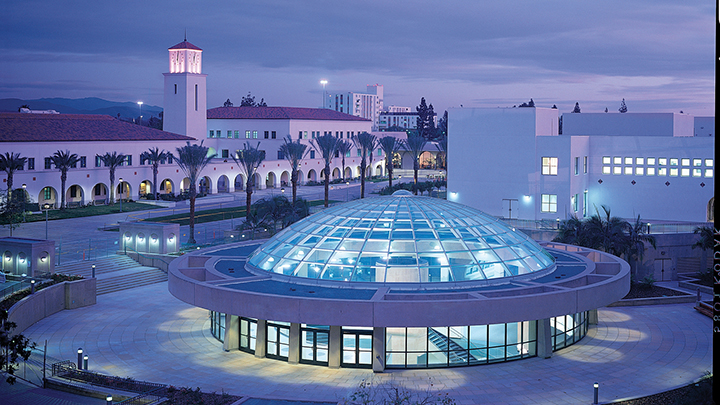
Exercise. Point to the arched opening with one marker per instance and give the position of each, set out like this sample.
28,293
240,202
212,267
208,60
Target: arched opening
145,188
348,173
48,195
122,190
336,174
74,196
256,181
42,265
270,180
301,177
379,170
99,194
285,179
223,184
312,175
205,186
166,187
427,160
185,185
239,182
397,161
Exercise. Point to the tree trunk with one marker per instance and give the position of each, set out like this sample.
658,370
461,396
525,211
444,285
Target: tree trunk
327,184
63,179
248,198
191,239
416,166
363,167
389,171
155,173
294,180
112,187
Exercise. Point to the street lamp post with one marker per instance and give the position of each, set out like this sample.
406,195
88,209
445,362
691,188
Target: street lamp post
347,191
323,82
140,103
46,206
121,194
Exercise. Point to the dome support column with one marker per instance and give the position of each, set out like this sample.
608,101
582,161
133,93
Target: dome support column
294,349
232,329
261,338
334,346
544,338
378,362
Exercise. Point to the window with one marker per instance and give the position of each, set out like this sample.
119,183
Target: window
606,160
585,164
22,167
299,134
47,193
359,152
548,203
673,162
628,160
225,153
574,202
211,134
247,134
312,154
577,165
639,171
708,172
585,202
196,97
97,161
662,171
673,172
379,152
237,134
617,160
280,155
628,170
685,162
74,165
606,170
48,163
617,170
273,135
176,89
639,161
650,171
697,162
549,166
305,134
266,134
229,134
170,159
128,160
708,162
662,161
255,134
697,172
651,161
685,172
31,163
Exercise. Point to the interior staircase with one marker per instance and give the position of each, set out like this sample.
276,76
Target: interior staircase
115,273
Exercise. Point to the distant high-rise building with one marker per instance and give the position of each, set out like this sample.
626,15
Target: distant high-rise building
366,105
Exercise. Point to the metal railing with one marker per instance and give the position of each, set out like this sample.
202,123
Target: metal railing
650,227
90,249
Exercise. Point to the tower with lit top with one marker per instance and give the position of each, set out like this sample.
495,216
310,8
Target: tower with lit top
185,103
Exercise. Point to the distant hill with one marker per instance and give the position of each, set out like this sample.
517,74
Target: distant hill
89,105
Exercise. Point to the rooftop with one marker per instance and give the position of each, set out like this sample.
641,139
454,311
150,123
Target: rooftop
19,127
185,45
280,113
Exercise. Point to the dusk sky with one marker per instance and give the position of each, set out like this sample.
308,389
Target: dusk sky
657,54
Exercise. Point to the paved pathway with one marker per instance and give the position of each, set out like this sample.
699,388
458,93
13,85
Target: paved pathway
149,335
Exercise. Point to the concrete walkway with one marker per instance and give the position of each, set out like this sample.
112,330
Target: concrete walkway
149,335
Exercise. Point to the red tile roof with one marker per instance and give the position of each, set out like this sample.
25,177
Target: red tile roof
280,113
185,45
20,127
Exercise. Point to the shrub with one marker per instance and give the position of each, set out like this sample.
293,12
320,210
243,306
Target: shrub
648,281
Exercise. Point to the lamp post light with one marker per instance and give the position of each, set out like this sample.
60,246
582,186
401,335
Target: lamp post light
323,82
32,286
595,399
46,207
79,363
24,187
121,193
85,362
347,191
108,399
93,271
140,103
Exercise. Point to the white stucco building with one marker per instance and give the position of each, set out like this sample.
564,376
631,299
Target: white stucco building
366,105
513,163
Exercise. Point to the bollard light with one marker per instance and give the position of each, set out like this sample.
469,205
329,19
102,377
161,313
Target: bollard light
32,286
108,399
595,399
79,363
93,271
85,362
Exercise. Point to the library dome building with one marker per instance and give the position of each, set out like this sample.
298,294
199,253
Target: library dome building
399,281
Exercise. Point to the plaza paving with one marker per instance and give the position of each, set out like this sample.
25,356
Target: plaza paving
149,335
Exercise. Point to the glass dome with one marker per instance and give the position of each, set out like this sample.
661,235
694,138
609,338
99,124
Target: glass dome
401,238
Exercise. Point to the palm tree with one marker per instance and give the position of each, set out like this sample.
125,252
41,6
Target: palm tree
415,144
707,239
249,159
607,233
572,231
10,163
326,145
344,147
112,161
367,143
155,156
192,159
390,146
636,247
63,161
293,152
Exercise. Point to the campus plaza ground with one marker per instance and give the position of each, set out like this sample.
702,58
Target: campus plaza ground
149,335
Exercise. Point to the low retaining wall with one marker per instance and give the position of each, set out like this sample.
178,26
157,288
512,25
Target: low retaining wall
87,390
689,285
678,299
66,295
152,260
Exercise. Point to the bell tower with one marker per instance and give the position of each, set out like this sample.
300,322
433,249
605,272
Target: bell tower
185,103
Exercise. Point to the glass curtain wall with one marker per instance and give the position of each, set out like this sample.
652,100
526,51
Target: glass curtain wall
357,347
568,329
278,340
248,334
217,325
314,344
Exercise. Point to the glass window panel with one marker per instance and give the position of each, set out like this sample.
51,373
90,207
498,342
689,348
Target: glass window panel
662,161
437,358
650,161
453,245
662,171
478,356
708,172
297,253
343,273
416,360
348,357
640,171
606,170
416,339
697,162
459,335
606,160
379,234
617,169
322,355
496,334
685,162
628,160
395,339
674,172
617,160
402,234
395,359
708,162
673,162
628,170
650,171
307,353
402,246
329,243
286,266
639,161
366,274
344,257
376,246
684,172
496,354
352,244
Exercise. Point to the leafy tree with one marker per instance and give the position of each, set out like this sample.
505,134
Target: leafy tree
623,107
425,126
608,233
344,147
554,107
12,347
249,101
192,159
637,237
442,126
154,156
326,145
577,108
112,161
390,146
415,143
249,159
367,143
279,210
10,163
707,239
23,106
531,103
606,110
63,161
573,231
228,103
12,209
293,152
156,123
